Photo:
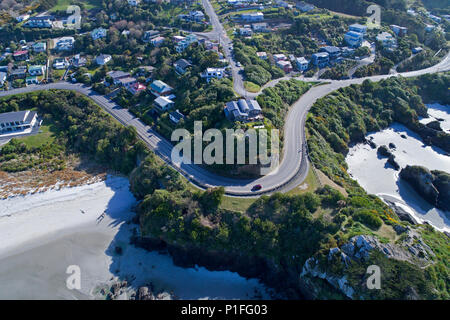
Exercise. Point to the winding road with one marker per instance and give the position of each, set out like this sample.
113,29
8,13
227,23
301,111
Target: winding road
294,165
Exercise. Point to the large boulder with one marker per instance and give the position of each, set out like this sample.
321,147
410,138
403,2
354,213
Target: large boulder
433,186
383,151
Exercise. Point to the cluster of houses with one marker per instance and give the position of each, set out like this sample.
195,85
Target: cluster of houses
243,110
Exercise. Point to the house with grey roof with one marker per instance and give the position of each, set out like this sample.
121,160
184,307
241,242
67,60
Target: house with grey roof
243,110
17,121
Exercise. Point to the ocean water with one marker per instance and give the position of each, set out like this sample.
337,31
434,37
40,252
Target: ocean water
379,178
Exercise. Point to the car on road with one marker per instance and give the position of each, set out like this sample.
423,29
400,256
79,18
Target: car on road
257,187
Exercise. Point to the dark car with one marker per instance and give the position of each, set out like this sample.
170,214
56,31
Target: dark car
257,187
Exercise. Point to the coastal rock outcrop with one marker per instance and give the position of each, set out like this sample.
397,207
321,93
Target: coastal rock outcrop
383,151
433,186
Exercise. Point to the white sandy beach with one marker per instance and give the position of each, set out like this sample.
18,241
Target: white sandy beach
376,177
42,234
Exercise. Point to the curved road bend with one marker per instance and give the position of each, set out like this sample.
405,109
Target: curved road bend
294,165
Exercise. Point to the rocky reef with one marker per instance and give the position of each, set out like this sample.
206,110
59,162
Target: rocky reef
433,186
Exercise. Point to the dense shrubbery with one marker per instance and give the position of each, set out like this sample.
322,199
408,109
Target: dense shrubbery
81,127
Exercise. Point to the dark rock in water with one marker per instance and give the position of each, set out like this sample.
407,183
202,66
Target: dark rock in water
392,146
403,136
435,125
383,151
393,163
440,119
371,143
433,186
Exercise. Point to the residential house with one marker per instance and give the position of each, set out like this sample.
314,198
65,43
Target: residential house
158,41
17,121
429,27
253,17
39,47
60,63
176,116
246,31
399,31
262,55
103,59
333,52
284,65
356,27
64,44
177,39
78,61
213,73
134,3
20,55
181,66
160,88
354,39
279,57
36,70
19,73
196,16
387,40
31,80
22,17
39,22
302,64
149,35
320,59
183,44
304,7
116,76
136,88
162,104
98,33
260,27
417,50
2,78
243,110
126,82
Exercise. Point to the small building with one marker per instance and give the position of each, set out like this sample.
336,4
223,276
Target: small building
126,82
260,27
134,3
302,64
246,31
116,76
103,59
399,31
22,17
176,116
243,110
60,63
17,121
78,61
64,44
279,57
354,39
284,65
257,16
181,66
387,40
3,76
304,7
213,73
186,42
356,27
333,52
98,33
196,16
262,55
417,50
177,39
162,104
149,35
39,22
320,59
20,55
39,47
31,80
429,27
136,88
157,41
36,70
19,73
160,88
